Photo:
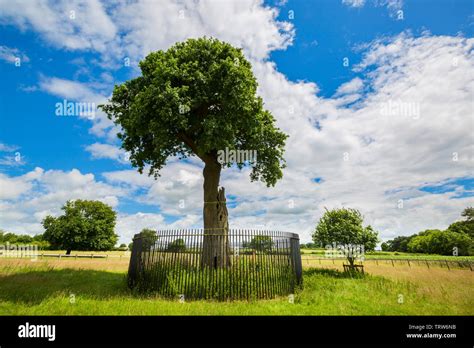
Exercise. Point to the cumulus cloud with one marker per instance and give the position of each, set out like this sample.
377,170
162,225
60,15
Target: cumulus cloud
244,23
76,24
39,193
133,29
99,151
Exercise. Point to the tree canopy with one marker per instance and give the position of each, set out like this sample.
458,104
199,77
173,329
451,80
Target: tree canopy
466,225
440,242
85,225
196,98
399,243
343,229
149,238
23,239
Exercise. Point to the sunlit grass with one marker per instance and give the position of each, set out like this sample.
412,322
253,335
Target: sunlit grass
97,287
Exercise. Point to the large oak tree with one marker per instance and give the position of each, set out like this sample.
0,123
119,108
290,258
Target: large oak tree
85,225
197,98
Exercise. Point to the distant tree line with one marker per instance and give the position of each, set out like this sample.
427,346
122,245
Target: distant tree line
309,246
457,239
23,239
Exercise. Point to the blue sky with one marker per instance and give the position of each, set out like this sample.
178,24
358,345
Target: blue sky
298,50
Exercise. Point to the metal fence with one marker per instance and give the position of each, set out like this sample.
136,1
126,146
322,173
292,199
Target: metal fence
194,264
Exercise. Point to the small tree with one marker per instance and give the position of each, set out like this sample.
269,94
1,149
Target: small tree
342,229
85,225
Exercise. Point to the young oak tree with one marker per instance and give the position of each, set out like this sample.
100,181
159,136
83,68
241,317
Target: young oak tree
195,99
342,229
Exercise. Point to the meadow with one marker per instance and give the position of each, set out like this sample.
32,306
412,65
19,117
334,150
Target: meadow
52,286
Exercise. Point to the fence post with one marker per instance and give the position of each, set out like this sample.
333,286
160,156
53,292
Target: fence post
133,268
296,258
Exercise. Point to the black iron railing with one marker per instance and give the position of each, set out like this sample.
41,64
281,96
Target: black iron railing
237,264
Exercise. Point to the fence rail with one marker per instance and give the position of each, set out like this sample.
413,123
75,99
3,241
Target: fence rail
423,262
237,264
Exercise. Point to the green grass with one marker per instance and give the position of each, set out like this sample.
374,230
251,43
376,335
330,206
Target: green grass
43,290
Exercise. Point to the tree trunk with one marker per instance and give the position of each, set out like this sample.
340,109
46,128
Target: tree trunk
351,263
216,250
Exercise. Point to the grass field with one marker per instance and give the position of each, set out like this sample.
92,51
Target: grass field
97,287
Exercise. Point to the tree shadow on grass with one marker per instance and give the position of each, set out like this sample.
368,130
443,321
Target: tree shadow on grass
333,273
35,286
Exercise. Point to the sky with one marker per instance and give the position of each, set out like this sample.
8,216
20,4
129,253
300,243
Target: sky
375,95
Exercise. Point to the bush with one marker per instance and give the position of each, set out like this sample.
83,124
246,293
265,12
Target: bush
440,242
85,225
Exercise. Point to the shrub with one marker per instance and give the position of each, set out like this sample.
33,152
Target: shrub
440,242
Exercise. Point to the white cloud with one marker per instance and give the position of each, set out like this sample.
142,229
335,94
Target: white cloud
74,91
69,89
13,188
392,5
64,24
38,193
129,225
354,3
353,86
178,191
133,29
98,150
11,55
8,148
244,23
